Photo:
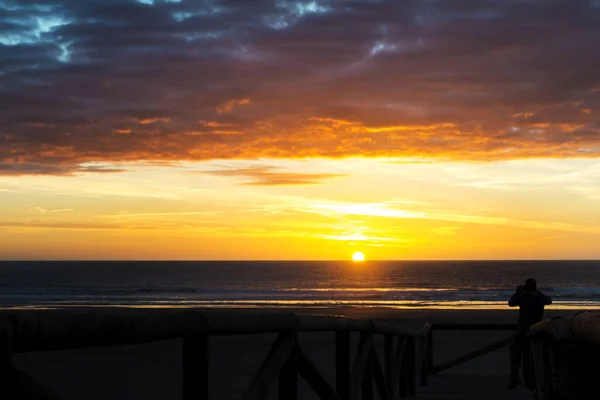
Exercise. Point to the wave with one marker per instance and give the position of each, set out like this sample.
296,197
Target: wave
174,295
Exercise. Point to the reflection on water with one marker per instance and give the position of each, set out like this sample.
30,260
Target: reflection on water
391,284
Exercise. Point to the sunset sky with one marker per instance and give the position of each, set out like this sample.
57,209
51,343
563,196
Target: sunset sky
273,129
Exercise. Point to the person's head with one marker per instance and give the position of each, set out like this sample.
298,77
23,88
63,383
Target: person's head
530,285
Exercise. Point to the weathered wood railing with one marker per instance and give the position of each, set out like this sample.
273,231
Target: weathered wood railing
562,363
565,356
406,350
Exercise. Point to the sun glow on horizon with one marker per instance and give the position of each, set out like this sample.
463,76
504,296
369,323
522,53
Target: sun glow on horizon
264,210
358,257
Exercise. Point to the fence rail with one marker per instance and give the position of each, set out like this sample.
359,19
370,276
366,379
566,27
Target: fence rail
406,355
560,362
455,326
434,369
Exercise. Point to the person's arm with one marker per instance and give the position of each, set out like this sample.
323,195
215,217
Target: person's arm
546,299
515,299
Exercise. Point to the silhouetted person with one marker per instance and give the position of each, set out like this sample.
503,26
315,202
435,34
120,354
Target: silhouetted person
531,303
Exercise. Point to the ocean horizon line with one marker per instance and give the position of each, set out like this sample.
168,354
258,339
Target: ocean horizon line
311,260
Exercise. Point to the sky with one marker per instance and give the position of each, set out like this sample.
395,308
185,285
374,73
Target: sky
275,129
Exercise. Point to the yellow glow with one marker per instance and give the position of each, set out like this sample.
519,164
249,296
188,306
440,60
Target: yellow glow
369,209
502,210
358,256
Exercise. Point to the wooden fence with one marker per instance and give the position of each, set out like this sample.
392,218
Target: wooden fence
562,360
565,355
406,351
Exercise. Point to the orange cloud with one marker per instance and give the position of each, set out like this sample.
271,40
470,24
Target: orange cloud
269,176
299,87
327,137
153,120
213,124
231,104
571,127
523,115
409,128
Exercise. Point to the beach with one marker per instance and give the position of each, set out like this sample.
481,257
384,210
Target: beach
153,370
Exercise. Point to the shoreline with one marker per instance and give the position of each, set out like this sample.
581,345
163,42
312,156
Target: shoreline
296,307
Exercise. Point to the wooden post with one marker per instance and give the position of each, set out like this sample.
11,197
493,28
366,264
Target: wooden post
423,372
288,377
271,366
400,380
388,359
361,364
403,383
195,367
381,383
411,366
423,360
314,378
539,353
7,372
367,381
342,364
430,351
5,343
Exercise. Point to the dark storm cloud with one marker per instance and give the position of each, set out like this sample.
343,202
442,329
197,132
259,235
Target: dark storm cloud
126,80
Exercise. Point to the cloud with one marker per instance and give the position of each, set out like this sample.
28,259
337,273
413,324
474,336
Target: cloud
57,225
445,230
63,168
229,105
147,121
270,176
98,169
124,80
387,210
161,214
42,210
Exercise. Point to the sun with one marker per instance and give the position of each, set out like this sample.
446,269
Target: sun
358,256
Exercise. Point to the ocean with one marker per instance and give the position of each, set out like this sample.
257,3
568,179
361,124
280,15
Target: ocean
395,284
